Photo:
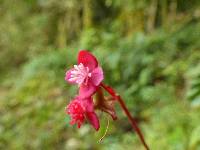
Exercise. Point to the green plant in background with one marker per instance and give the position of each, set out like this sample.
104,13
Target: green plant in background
194,86
150,50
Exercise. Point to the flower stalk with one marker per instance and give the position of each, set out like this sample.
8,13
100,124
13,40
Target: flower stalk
126,111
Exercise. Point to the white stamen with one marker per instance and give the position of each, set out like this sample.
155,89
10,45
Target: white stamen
80,74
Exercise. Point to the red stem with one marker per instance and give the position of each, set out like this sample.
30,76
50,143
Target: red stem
126,111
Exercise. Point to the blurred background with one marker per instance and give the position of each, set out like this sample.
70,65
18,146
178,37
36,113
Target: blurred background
149,50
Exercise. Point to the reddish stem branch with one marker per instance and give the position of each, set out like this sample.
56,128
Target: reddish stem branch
126,111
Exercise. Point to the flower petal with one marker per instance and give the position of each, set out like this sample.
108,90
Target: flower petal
68,76
87,59
88,104
86,91
93,119
97,76
76,111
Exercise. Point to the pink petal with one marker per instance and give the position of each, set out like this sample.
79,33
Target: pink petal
87,59
68,76
76,111
86,91
97,76
93,119
88,104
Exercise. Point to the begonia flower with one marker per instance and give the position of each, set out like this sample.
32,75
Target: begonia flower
81,109
87,74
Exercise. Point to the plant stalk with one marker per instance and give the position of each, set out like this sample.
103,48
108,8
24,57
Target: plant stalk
126,111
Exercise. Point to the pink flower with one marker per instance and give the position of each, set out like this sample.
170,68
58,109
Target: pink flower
87,74
81,109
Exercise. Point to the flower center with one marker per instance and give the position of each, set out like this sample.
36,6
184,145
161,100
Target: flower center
80,74
76,111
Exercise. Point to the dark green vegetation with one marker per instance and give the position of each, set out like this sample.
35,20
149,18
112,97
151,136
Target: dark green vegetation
150,52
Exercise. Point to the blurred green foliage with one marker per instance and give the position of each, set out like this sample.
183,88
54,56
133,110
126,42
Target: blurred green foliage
149,50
